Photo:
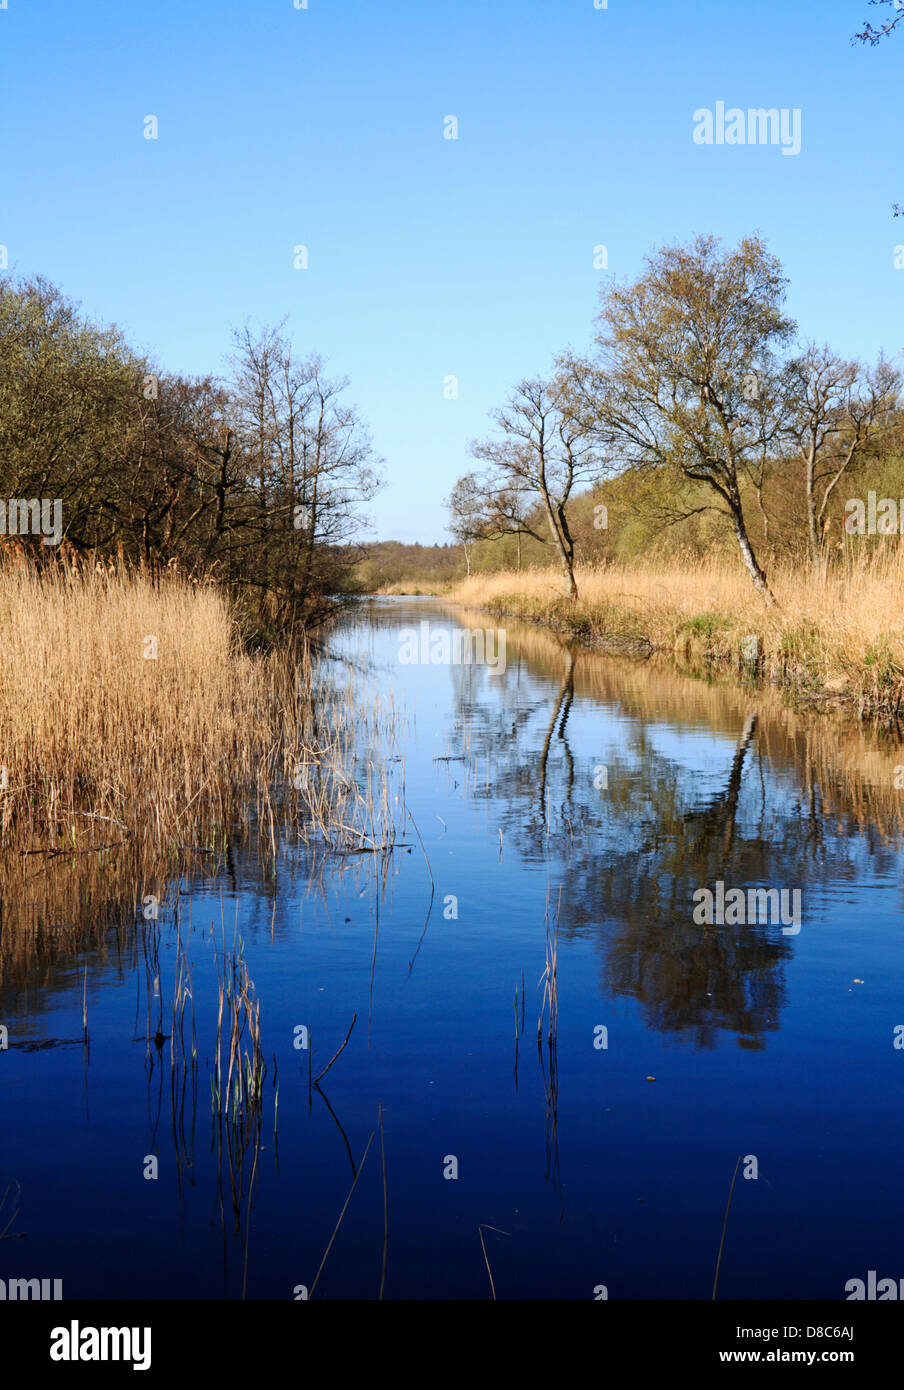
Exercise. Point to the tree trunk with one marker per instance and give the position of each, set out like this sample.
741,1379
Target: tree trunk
812,529
750,560
564,546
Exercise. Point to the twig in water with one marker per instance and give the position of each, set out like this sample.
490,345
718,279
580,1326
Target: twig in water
19,1235
385,1205
725,1225
338,1123
482,1226
418,834
336,1053
341,1214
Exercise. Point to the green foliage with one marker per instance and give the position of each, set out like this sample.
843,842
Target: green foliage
885,672
706,624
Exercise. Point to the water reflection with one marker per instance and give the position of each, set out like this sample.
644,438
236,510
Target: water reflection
670,817
569,808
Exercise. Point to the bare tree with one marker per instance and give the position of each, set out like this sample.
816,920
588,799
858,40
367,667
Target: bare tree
259,479
466,504
311,463
509,512
838,410
546,451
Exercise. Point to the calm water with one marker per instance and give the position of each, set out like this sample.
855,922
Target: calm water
619,789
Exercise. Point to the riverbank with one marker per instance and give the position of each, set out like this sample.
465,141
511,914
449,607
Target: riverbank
834,638
405,589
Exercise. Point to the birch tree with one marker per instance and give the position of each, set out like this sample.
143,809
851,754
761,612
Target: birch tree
838,411
544,450
682,372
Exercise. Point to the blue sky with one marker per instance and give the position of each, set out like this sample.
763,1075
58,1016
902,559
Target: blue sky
431,257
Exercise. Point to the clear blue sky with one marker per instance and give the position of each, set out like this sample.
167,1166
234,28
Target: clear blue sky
431,257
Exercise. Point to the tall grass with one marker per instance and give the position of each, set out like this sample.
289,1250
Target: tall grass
126,704
123,774
129,709
835,627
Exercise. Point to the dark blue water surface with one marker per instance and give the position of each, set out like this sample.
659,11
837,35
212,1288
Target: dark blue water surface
619,789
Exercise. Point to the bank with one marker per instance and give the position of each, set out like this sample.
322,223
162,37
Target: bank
831,640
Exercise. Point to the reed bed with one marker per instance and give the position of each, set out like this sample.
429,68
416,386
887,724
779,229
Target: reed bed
128,710
401,588
125,775
836,629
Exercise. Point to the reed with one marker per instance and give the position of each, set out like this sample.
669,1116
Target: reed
238,1099
385,1206
129,712
836,628
549,1005
332,1239
339,1049
734,1178
483,1226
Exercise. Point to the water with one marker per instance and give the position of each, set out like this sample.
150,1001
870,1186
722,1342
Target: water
620,788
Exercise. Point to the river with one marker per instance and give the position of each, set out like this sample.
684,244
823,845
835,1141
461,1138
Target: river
562,812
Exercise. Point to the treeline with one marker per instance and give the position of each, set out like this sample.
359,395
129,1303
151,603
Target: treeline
699,420
393,565
255,479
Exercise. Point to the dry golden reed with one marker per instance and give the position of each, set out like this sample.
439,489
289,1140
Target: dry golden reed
128,708
838,628
125,701
123,775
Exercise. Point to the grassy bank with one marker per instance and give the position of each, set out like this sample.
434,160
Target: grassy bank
836,636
